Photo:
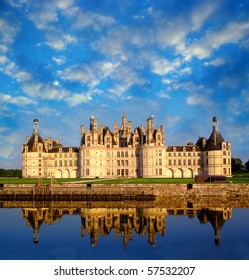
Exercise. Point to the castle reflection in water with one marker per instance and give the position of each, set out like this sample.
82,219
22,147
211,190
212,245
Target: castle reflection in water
125,222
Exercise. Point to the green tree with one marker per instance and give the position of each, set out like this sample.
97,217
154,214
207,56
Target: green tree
247,165
236,164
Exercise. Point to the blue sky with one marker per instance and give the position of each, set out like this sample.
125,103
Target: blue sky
62,61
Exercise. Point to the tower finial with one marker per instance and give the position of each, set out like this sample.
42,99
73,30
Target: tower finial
35,126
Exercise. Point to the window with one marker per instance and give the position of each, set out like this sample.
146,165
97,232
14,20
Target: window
160,153
87,172
224,161
118,154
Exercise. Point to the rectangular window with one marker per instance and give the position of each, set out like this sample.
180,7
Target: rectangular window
87,172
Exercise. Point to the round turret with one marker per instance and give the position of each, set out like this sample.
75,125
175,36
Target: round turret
215,119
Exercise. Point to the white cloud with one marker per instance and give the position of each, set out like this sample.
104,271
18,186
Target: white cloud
215,62
16,100
59,41
85,19
47,111
82,73
44,14
60,60
3,49
201,13
231,33
161,66
8,31
78,98
12,70
172,33
56,83
164,95
3,59
44,91
197,99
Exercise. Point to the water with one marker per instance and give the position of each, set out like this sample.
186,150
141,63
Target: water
123,233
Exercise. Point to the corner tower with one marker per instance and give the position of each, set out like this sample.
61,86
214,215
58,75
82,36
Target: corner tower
217,153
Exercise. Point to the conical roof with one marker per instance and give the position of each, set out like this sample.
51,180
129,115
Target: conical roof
32,143
215,140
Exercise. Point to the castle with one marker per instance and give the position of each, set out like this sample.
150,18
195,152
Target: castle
124,152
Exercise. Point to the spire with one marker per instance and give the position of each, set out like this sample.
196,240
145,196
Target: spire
36,126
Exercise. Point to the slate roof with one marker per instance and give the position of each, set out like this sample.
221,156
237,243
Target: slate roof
215,140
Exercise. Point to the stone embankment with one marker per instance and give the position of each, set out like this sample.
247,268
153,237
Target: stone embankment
155,190
147,195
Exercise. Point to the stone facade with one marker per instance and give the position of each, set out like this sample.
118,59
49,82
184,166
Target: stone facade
124,152
47,157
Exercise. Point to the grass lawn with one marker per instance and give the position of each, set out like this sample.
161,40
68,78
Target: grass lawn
237,178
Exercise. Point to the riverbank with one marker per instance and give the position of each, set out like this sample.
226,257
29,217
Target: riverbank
75,190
